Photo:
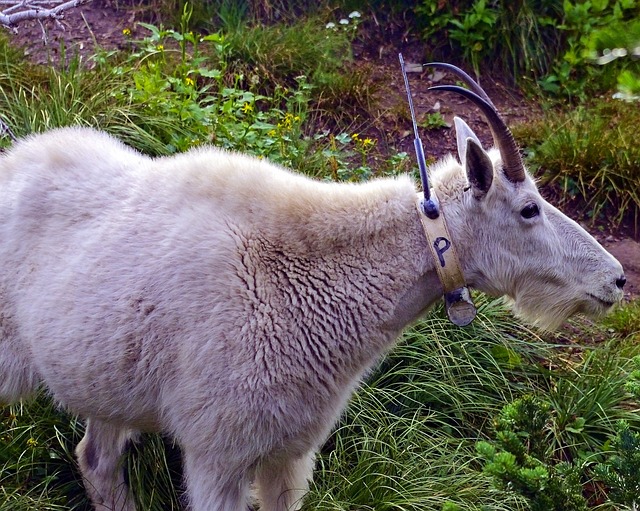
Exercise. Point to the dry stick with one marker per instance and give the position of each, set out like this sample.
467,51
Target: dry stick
33,11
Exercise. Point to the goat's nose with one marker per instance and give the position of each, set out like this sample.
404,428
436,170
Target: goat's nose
621,282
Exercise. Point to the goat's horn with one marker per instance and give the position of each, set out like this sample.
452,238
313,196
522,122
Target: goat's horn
466,79
511,160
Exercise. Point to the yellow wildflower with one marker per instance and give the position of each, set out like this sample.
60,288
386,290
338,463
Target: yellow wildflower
247,107
160,47
32,443
189,81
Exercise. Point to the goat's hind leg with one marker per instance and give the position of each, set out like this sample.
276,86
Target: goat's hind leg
18,380
281,484
215,483
100,456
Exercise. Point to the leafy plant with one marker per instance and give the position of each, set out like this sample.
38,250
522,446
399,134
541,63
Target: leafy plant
621,471
432,121
474,33
573,74
525,45
618,43
544,41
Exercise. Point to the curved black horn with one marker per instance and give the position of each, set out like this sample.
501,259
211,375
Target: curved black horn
511,160
466,79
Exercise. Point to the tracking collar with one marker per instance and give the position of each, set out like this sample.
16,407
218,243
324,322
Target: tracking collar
459,305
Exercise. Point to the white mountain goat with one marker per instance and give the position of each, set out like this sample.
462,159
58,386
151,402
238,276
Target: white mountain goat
235,305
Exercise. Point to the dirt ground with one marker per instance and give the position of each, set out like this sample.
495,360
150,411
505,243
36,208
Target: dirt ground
101,22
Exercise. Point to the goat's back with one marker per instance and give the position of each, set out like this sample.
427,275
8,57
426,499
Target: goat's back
107,257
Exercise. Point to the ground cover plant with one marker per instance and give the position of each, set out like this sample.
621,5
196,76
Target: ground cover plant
493,417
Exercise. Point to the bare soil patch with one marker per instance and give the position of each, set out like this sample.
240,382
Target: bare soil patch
100,24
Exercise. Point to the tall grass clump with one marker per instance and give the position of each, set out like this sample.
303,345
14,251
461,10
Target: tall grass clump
553,447
379,461
318,49
591,153
465,375
37,466
407,439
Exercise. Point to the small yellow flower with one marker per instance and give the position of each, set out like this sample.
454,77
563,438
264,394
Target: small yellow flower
160,47
288,120
368,142
126,32
355,137
272,133
189,81
32,443
247,107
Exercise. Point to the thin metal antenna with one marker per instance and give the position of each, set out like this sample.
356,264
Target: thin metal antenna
429,205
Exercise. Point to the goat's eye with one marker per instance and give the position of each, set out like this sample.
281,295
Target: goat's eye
530,210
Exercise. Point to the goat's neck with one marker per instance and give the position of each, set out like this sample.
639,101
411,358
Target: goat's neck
379,252
346,277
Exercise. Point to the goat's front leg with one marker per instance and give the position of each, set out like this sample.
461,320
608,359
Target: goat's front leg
101,464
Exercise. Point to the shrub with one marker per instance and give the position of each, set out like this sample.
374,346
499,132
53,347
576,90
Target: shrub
621,471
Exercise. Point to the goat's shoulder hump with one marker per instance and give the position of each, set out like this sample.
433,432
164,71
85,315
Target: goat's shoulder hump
64,145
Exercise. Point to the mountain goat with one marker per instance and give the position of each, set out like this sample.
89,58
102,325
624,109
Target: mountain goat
235,305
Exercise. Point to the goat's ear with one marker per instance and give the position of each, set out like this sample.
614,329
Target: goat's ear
463,133
479,168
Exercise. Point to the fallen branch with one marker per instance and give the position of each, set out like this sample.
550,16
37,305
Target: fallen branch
20,11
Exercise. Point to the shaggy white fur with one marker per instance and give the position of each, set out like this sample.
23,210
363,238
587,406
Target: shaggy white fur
236,305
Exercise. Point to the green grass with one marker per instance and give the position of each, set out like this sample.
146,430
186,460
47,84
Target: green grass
590,153
36,458
381,461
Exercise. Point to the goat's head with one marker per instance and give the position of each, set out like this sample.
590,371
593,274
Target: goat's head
513,242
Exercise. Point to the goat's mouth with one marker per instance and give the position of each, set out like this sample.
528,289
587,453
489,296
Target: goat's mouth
606,304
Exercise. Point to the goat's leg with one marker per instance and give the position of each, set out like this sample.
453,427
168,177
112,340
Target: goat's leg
18,380
101,464
215,484
281,484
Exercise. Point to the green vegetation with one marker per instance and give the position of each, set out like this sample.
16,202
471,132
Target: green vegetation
491,417
550,42
591,153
